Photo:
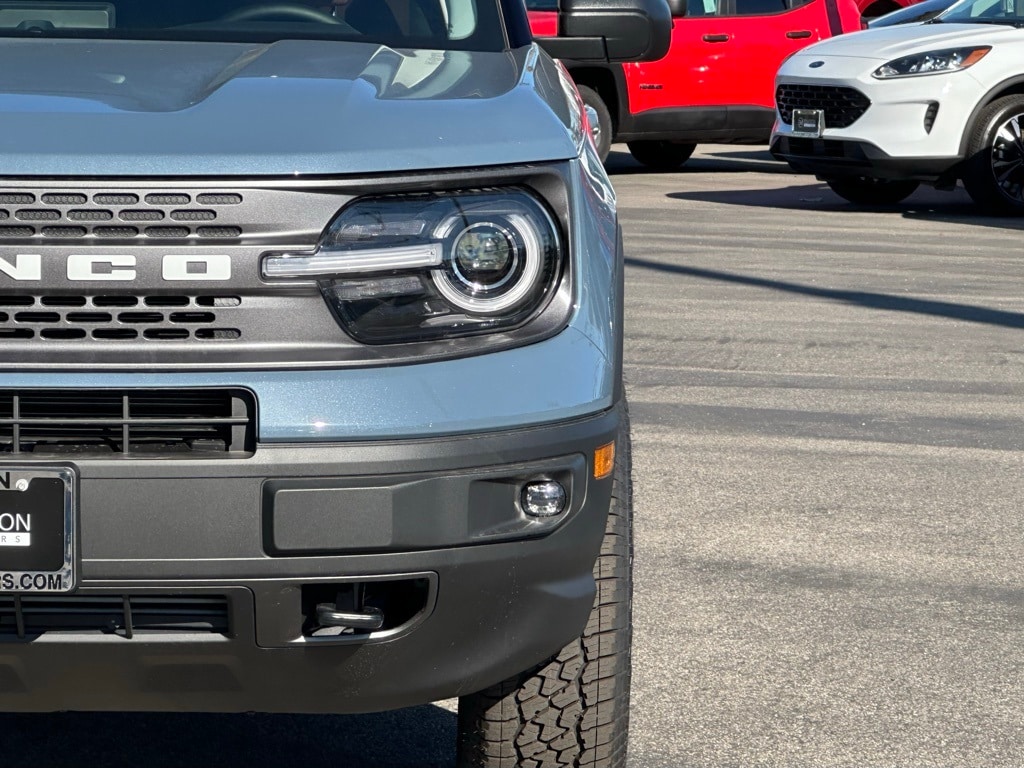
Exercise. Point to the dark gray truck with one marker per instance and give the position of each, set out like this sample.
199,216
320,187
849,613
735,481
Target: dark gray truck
310,366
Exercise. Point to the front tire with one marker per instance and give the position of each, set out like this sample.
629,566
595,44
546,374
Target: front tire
994,169
602,132
573,711
864,190
661,155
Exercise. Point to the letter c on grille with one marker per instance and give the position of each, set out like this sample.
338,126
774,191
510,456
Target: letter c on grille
90,267
181,266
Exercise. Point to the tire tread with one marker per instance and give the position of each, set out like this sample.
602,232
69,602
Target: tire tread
573,711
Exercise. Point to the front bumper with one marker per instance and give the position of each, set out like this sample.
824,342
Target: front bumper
831,158
504,596
896,137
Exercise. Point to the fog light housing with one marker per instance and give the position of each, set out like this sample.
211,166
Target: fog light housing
544,498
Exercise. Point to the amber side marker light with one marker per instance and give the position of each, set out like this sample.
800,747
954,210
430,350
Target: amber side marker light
604,461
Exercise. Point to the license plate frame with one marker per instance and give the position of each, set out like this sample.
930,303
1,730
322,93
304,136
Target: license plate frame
808,123
38,529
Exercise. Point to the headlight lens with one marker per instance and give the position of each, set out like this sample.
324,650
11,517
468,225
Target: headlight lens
932,62
404,268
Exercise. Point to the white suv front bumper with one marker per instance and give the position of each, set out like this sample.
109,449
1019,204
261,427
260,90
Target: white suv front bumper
892,133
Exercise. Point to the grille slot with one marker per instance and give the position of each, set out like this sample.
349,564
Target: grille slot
28,616
168,199
69,199
115,301
215,199
171,318
213,422
168,232
116,199
16,301
842,106
142,215
97,215
115,232
61,215
63,301
63,334
115,334
37,215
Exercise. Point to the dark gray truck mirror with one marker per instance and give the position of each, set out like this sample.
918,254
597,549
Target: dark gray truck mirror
611,30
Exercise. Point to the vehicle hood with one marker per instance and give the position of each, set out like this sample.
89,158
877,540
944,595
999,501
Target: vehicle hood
889,43
146,108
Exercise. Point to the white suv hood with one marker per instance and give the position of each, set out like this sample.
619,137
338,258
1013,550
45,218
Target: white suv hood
894,42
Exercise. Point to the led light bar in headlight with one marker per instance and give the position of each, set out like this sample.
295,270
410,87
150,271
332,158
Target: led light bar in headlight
367,260
932,62
402,268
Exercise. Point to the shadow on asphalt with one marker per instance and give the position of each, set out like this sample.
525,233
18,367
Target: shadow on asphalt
924,205
620,162
419,737
816,196
966,312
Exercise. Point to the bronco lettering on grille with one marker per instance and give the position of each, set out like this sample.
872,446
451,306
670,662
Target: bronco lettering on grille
28,267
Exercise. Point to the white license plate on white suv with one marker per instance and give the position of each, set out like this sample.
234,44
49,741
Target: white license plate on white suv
808,123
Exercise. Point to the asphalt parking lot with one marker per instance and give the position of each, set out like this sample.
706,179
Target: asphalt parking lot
829,440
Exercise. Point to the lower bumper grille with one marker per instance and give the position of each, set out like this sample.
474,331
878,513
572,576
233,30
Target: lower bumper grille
124,615
214,422
832,150
842,106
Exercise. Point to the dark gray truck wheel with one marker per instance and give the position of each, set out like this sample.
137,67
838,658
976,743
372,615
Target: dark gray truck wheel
602,132
993,172
573,711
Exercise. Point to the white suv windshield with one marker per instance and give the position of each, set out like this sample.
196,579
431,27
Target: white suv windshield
441,24
1009,12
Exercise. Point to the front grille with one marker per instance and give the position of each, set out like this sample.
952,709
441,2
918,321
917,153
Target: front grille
216,423
118,216
842,106
120,317
27,617
816,147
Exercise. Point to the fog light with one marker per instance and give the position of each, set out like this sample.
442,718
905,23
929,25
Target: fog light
544,498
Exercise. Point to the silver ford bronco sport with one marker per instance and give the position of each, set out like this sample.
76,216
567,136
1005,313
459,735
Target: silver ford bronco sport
310,366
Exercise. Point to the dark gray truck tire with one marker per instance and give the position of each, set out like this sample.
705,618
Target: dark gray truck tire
603,136
573,711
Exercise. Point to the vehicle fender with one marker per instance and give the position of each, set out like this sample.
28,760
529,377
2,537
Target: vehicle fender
1013,84
589,74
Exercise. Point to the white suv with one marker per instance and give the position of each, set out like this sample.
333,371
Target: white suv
877,112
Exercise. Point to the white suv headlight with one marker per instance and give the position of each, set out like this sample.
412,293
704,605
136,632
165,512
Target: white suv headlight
932,62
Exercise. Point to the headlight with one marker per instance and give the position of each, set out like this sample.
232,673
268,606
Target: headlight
422,267
932,62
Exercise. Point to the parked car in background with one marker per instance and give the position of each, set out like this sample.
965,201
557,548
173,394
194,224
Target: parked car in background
717,82
911,14
877,113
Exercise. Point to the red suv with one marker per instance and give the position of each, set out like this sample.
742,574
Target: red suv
717,82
